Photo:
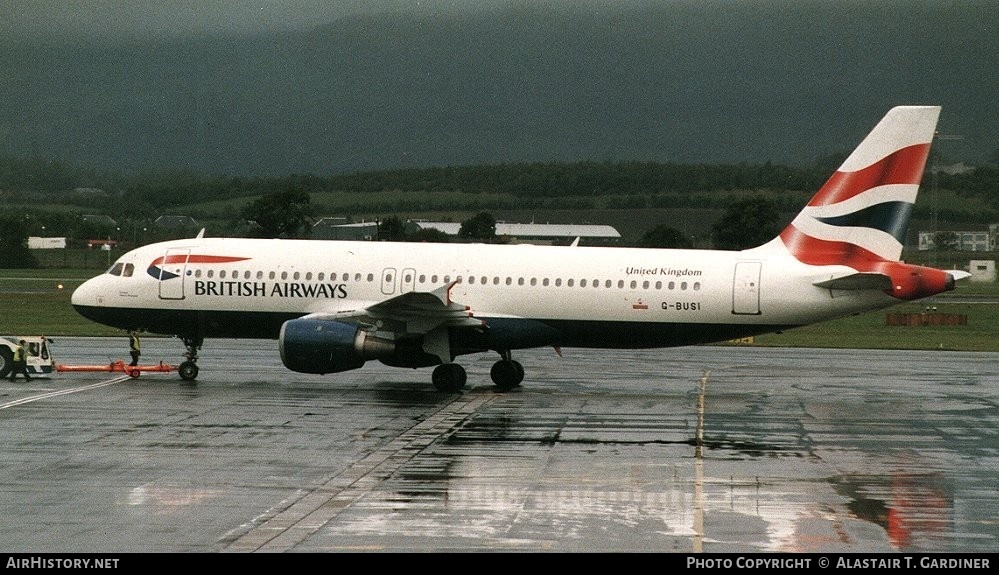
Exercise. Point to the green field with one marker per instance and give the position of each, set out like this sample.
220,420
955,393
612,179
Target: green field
37,302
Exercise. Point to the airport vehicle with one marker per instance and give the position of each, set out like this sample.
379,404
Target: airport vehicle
39,358
334,305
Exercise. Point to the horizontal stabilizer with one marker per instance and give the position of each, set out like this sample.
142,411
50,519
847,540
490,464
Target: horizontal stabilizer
959,274
857,281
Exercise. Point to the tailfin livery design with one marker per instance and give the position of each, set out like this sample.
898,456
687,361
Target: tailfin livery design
862,213
332,306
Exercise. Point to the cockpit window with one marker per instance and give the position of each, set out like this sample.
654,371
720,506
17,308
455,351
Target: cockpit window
123,270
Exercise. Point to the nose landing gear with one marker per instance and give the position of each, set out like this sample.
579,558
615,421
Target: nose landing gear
188,370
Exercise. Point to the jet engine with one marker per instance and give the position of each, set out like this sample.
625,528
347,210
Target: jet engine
324,346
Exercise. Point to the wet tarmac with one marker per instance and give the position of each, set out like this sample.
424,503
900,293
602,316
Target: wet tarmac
715,449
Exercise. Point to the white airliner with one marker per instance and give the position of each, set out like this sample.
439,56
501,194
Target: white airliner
333,305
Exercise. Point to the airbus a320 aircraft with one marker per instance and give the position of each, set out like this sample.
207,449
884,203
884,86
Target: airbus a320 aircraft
333,305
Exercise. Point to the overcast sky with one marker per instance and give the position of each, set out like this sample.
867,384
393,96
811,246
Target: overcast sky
123,18
293,86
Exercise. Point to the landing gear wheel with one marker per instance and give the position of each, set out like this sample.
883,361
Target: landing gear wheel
449,378
188,371
507,374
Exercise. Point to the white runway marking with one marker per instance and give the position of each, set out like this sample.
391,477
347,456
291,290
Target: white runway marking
41,396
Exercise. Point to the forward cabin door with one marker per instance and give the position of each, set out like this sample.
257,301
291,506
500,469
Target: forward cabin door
746,288
172,273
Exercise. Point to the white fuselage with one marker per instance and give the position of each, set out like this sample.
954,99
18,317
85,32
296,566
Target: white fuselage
759,289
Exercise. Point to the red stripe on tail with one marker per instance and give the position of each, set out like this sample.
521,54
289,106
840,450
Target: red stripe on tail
902,167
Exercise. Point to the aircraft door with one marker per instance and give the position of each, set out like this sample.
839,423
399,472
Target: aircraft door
173,270
408,280
388,281
746,288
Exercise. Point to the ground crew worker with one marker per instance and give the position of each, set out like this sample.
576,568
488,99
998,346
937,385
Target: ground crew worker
20,362
133,347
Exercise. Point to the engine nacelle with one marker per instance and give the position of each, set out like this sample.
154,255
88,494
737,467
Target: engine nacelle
323,346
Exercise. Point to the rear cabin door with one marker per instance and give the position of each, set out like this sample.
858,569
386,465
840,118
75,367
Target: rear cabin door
746,288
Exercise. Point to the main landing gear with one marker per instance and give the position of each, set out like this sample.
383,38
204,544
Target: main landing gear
506,373
188,370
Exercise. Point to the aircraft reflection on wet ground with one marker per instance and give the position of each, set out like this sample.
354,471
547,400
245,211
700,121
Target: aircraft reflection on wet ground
730,449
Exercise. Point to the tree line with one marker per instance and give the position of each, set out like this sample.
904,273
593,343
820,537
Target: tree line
54,181
45,195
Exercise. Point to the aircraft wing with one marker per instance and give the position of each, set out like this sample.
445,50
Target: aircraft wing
413,312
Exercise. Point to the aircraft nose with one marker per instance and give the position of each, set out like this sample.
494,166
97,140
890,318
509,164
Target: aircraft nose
87,293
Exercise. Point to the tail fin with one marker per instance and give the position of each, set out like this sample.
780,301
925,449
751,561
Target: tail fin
860,216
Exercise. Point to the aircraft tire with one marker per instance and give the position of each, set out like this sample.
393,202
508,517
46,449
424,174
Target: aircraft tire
6,361
188,371
449,378
507,374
